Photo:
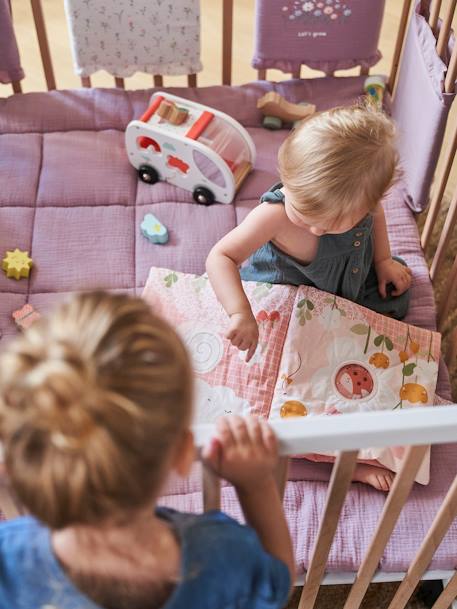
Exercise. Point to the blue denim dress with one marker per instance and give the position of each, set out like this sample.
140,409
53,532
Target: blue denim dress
343,266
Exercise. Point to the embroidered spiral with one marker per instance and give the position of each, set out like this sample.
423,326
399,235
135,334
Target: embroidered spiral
206,349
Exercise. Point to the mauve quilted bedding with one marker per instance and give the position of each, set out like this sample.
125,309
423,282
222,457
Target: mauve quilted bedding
70,197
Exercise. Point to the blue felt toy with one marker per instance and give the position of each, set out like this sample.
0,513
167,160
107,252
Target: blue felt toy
153,229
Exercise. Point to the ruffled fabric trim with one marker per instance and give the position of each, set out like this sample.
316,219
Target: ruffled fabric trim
288,65
130,70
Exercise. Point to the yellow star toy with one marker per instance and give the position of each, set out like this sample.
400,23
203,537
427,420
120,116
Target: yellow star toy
17,264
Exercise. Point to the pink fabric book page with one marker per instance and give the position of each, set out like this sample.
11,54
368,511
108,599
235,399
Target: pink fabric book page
318,355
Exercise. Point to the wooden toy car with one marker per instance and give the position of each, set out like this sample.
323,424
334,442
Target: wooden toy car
191,146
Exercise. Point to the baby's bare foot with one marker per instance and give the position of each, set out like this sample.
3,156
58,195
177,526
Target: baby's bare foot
379,477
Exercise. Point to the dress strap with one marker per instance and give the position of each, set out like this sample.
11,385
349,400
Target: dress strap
274,195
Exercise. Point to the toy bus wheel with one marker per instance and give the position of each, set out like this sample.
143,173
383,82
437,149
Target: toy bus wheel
203,196
148,174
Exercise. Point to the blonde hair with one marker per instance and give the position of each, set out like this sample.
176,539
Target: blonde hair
338,162
92,402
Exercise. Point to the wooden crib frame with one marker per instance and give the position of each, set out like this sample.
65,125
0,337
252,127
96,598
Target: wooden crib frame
442,34
415,428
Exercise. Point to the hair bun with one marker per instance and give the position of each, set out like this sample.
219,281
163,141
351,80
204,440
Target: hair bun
60,390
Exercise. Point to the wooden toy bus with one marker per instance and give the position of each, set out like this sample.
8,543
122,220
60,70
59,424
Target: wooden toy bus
191,146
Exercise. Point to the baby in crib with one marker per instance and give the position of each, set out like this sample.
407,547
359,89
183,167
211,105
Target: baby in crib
323,225
95,408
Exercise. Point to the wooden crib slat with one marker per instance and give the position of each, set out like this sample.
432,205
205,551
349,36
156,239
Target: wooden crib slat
434,15
451,353
211,490
438,192
261,74
119,82
449,294
296,73
399,44
17,87
451,75
439,528
192,80
43,43
158,80
443,37
281,475
364,70
338,487
396,499
447,595
86,82
227,39
446,233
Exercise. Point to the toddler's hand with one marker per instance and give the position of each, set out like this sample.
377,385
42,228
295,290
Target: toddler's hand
392,271
244,451
243,333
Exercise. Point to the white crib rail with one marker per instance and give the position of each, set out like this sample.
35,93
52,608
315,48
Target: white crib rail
415,428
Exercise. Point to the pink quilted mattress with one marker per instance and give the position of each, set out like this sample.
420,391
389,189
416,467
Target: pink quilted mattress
69,196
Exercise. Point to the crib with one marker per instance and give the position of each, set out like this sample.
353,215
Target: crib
80,228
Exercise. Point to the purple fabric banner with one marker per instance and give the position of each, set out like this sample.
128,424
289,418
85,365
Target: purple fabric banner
10,65
325,35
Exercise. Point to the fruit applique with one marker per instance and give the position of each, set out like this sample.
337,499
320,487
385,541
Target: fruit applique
265,316
293,408
379,360
354,382
17,264
413,392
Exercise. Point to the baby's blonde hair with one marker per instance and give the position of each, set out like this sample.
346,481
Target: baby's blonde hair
92,402
338,162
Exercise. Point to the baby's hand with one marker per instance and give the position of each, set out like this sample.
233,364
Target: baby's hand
244,451
392,271
244,333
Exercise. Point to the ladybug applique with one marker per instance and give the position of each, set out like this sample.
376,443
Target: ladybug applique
354,382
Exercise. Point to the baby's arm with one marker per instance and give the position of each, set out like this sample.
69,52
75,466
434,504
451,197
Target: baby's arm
387,269
222,265
245,452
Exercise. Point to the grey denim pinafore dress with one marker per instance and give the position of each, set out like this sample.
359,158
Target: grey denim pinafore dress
343,266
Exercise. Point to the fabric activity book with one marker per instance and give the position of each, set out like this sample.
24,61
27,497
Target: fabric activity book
318,355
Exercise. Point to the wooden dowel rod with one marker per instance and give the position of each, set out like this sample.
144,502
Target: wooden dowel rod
211,490
451,352
451,74
399,45
158,80
396,499
296,73
438,192
86,82
443,37
17,87
227,39
448,297
282,471
119,82
261,74
439,528
434,16
448,595
43,44
443,242
364,70
192,80
340,481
